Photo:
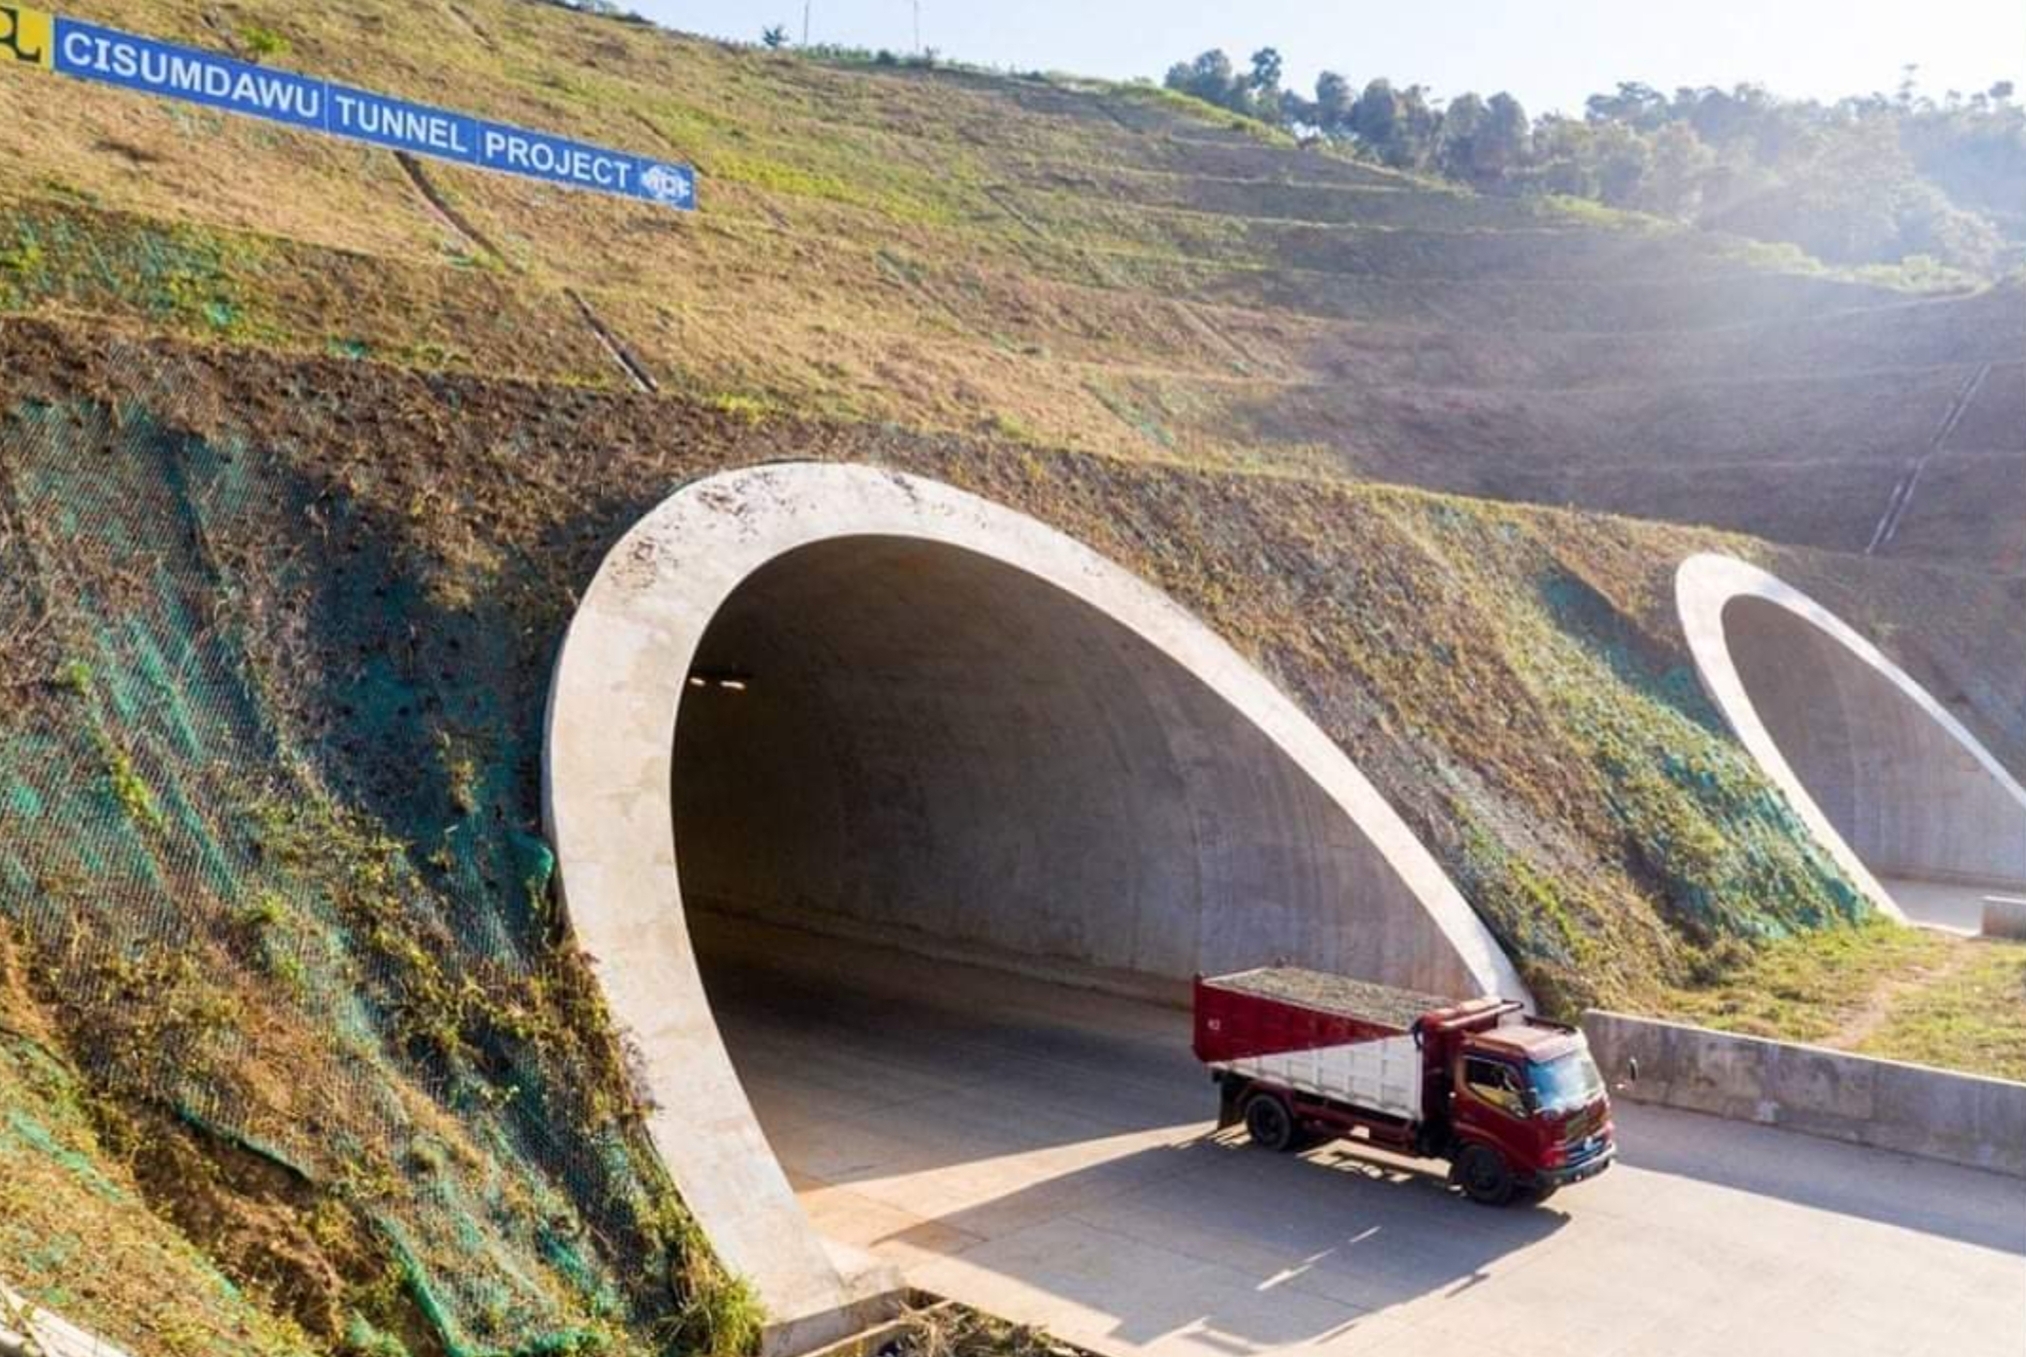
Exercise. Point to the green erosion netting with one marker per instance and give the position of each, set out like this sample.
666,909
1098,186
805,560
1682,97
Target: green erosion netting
266,836
1724,849
171,272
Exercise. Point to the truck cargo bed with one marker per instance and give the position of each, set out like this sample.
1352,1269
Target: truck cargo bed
1340,996
1321,1036
1382,1076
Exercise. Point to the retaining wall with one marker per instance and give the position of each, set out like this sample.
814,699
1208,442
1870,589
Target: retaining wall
1935,1114
2004,917
27,1330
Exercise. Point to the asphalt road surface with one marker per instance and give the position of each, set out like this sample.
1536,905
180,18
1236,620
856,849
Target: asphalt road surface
1047,1154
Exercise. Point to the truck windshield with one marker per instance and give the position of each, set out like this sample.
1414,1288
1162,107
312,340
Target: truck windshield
1567,1082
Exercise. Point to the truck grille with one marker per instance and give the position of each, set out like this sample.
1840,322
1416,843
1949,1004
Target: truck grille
1583,1151
1582,1126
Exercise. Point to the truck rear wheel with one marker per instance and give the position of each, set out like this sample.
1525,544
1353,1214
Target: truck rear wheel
1482,1174
1268,1123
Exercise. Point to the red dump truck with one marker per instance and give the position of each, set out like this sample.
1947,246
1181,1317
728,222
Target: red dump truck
1513,1102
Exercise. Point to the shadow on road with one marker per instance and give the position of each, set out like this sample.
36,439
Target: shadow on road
991,1132
1215,1235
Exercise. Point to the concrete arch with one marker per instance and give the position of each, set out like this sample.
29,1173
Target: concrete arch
1893,786
933,691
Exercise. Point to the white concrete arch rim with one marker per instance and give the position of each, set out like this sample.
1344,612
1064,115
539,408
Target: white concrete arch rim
620,682
1706,584
930,512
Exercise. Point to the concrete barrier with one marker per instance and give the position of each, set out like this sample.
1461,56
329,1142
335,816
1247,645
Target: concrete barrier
2004,917
1885,1104
27,1330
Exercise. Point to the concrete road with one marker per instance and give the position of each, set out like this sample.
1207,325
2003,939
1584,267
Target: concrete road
1046,1154
1946,905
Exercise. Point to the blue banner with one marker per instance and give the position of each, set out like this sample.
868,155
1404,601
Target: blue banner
89,52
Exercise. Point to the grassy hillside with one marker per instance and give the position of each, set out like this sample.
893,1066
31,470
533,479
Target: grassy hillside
74,1217
1112,270
305,454
276,637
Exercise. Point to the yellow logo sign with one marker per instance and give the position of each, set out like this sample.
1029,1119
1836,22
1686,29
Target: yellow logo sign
26,35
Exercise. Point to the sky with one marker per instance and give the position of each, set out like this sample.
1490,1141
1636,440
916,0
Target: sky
1550,53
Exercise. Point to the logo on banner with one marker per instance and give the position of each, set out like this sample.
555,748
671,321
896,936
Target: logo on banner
28,34
666,184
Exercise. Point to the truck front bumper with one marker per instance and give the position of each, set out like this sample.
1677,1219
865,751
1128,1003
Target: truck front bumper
1576,1173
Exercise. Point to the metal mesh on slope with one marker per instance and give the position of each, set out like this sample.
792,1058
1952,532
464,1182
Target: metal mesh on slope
272,852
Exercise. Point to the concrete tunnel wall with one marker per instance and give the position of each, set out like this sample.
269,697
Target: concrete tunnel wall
956,725
947,749
1890,783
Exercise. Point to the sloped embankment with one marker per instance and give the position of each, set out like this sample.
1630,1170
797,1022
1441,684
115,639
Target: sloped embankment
275,886
1076,265
71,1206
274,640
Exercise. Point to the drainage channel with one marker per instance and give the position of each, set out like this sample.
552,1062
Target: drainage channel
636,372
1901,500
641,378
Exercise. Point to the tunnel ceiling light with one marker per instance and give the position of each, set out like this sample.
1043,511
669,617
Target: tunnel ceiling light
731,680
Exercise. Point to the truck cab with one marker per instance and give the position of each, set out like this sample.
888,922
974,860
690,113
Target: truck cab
1528,1110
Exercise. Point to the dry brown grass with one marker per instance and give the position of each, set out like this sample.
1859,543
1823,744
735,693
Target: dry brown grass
78,1225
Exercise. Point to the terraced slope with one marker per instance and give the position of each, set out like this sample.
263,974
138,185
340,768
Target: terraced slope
304,453
1065,264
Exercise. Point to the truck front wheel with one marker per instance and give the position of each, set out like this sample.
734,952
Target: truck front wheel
1482,1174
1268,1123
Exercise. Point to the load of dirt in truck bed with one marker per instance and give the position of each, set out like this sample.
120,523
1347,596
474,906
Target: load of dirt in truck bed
1346,998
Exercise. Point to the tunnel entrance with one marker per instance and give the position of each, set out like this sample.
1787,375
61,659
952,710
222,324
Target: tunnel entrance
859,715
908,741
1890,781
